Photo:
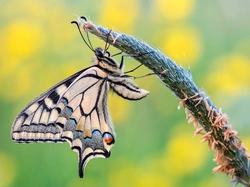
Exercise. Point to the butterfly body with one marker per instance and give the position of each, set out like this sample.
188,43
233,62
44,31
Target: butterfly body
75,110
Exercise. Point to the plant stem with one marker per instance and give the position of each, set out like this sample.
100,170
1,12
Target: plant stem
230,153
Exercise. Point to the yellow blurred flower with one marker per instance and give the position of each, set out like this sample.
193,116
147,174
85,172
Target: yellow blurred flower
22,39
137,176
151,179
7,169
184,154
128,171
18,84
230,74
120,14
183,44
28,8
175,9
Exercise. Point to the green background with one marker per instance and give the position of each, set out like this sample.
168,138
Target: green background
154,144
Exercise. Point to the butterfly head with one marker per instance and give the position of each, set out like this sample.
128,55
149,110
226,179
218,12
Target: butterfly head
104,61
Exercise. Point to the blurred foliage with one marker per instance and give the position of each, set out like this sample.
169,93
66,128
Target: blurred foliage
155,145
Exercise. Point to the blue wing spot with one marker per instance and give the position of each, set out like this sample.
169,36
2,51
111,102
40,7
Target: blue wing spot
73,121
87,138
96,133
64,101
69,109
79,133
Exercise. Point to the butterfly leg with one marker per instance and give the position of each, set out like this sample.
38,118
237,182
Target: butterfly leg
149,74
117,54
133,69
107,45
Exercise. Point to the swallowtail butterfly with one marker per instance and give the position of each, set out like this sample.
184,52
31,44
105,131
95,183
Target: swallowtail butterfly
75,110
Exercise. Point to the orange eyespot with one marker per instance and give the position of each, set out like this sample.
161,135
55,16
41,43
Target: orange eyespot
108,138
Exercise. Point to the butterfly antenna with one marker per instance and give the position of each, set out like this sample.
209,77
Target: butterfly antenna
85,19
89,40
89,45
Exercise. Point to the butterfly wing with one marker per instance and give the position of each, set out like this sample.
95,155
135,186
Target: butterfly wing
74,110
125,88
27,126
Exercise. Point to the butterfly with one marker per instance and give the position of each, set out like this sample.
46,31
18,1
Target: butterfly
75,110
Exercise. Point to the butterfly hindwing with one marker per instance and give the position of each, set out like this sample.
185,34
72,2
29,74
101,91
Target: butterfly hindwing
75,111
125,88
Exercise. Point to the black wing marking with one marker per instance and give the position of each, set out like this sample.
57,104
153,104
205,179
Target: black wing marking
125,88
30,126
74,110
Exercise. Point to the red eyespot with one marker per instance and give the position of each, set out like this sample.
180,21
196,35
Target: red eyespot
108,138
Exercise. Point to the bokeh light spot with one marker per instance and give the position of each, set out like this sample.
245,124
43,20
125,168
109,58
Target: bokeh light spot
22,39
128,171
139,175
148,180
229,74
19,85
122,14
184,154
175,9
183,44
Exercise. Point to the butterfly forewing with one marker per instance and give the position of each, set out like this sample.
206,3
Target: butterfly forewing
29,125
75,111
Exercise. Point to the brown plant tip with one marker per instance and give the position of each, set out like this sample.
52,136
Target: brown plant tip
188,114
225,169
219,124
182,101
194,121
199,99
232,149
114,38
198,131
221,120
223,161
87,25
196,94
208,107
223,146
215,133
229,133
213,143
206,136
